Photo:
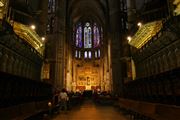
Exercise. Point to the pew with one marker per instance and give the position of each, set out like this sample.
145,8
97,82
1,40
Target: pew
149,111
162,88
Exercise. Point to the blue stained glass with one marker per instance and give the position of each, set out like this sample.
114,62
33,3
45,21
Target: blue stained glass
87,24
85,54
87,36
96,36
79,36
89,54
95,54
76,53
79,54
99,53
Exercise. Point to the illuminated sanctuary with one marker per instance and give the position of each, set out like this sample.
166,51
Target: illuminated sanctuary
121,53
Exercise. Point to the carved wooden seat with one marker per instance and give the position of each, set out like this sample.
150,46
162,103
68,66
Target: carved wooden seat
167,112
153,111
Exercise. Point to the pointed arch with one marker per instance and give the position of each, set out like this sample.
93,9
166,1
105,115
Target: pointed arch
87,36
79,36
96,34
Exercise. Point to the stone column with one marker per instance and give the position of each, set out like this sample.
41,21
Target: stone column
43,17
131,11
68,57
60,44
55,46
116,41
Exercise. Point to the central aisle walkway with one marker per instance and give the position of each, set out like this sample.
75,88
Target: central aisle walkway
89,111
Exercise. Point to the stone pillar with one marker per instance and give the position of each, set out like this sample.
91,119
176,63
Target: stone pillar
131,11
69,58
116,63
116,49
43,17
60,44
55,46
109,65
59,65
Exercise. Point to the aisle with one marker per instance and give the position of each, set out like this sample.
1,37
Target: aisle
90,111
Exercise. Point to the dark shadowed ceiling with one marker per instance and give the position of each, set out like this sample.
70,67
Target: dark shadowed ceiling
88,9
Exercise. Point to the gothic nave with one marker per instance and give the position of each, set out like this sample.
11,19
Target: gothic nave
116,59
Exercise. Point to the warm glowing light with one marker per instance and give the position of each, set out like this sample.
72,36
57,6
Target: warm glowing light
29,35
139,24
33,27
177,8
43,38
1,4
49,104
129,38
145,33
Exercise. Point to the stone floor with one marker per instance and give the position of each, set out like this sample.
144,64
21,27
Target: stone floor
89,111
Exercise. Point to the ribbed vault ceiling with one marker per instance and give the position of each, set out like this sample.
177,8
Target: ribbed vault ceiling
88,9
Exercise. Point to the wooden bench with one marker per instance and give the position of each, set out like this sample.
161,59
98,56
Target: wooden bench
167,112
153,111
23,111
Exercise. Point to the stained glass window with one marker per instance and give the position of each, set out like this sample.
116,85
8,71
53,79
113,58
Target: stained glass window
85,54
51,18
87,36
99,53
79,36
79,54
89,54
95,54
51,6
76,53
96,36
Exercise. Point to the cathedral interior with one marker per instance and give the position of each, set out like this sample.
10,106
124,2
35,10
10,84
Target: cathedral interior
126,51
